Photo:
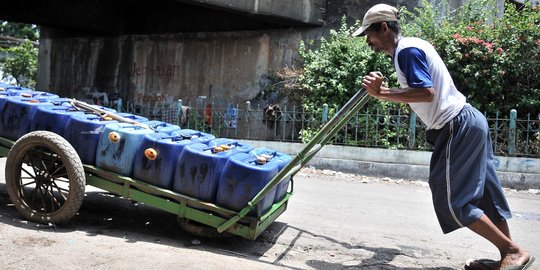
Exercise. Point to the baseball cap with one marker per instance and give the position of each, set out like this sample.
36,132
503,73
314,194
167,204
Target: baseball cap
377,13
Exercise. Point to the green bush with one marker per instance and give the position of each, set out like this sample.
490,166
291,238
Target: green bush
20,62
333,72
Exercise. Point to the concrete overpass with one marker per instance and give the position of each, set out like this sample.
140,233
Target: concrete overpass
115,17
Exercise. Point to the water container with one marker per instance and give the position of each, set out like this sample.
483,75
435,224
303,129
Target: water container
157,157
58,101
29,93
281,159
54,118
3,96
200,166
117,146
41,94
193,135
17,115
9,87
226,141
4,86
162,127
134,117
84,132
243,177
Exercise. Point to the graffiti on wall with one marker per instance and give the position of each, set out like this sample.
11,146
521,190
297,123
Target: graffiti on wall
155,99
157,70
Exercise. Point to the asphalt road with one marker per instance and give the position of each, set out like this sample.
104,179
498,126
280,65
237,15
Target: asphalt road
334,221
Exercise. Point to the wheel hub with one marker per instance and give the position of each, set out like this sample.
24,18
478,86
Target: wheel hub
43,181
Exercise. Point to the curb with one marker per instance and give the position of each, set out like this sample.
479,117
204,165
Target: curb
513,180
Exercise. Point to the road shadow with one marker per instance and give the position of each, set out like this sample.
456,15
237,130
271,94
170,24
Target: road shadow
105,214
381,258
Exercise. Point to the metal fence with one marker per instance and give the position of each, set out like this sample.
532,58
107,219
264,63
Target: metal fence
382,129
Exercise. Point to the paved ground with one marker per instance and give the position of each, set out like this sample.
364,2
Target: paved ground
334,221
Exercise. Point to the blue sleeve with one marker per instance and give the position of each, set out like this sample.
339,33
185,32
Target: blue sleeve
412,61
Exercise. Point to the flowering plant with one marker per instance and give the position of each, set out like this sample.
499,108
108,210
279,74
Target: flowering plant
477,67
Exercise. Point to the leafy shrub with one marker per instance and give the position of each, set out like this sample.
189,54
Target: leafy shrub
20,62
333,73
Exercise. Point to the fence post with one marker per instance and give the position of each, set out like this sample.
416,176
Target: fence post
512,132
496,136
178,112
119,105
248,109
324,113
412,130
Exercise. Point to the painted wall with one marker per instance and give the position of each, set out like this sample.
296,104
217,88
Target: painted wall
157,70
228,66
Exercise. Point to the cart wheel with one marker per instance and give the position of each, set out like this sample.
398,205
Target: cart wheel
45,178
201,230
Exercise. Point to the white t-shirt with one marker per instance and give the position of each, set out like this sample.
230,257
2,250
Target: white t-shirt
418,65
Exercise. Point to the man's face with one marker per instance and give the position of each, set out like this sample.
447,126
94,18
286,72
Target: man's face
374,39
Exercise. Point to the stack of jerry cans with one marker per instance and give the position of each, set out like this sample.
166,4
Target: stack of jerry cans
221,171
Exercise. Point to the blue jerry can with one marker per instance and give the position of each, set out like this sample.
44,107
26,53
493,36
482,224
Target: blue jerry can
193,135
243,177
200,166
281,159
162,127
117,146
157,157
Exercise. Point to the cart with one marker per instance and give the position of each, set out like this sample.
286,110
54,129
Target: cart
46,181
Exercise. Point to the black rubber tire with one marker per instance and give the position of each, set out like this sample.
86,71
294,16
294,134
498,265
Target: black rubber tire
201,230
45,178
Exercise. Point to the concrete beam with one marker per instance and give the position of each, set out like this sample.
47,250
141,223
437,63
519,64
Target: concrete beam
304,11
115,17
